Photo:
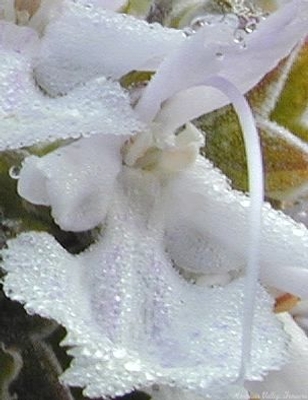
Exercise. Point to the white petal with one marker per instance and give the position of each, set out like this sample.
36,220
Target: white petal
32,182
87,42
291,381
168,393
114,5
76,181
203,197
7,10
212,51
300,314
195,251
27,116
132,319
22,42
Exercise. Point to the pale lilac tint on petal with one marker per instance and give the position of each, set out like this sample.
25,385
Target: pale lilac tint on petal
188,105
211,52
86,42
127,277
284,243
291,379
21,40
191,62
77,181
27,116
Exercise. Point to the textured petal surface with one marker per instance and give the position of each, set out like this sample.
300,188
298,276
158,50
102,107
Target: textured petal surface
197,251
88,41
114,5
7,10
212,51
27,116
21,40
291,380
168,393
202,198
76,181
127,277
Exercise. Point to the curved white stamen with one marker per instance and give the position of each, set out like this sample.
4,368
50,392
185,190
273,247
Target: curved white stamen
256,189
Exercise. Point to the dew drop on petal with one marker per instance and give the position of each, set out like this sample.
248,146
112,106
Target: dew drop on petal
219,55
119,353
238,36
251,26
14,171
198,23
132,366
202,20
188,31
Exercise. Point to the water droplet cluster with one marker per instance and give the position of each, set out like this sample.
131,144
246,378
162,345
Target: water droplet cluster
14,171
131,319
243,15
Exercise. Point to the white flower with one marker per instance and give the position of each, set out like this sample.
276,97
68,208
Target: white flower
131,319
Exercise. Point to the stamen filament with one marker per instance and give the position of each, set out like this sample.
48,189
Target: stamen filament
256,190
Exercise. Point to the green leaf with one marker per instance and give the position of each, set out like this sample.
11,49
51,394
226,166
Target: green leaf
293,102
138,7
28,363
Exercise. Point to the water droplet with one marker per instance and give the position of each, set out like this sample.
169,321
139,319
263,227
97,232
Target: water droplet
231,20
132,366
14,171
238,36
243,45
250,26
188,31
298,232
264,15
198,22
119,353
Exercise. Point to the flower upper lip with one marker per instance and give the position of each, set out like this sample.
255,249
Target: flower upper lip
200,50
